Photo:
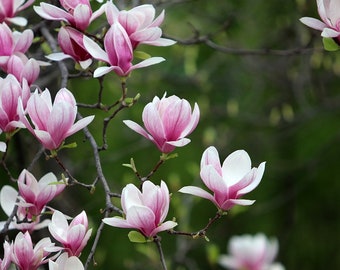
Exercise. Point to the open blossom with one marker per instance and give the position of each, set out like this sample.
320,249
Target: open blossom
27,257
22,220
36,195
140,24
52,124
71,43
9,8
64,262
77,13
167,121
249,252
10,91
73,236
329,11
118,53
227,182
144,211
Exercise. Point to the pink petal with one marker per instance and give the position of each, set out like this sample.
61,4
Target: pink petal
196,191
236,166
313,23
95,50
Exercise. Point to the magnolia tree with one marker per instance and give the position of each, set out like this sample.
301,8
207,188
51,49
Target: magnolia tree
166,121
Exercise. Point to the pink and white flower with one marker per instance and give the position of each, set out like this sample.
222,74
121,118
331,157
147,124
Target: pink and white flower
249,252
144,211
64,262
77,13
140,24
22,220
7,259
9,8
329,11
36,195
10,91
228,182
118,53
27,257
167,121
71,43
73,236
52,124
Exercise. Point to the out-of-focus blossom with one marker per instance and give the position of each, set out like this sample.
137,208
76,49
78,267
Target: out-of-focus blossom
329,11
73,237
71,43
167,121
144,211
10,91
52,124
64,262
249,252
140,24
228,182
36,195
25,257
22,220
77,13
9,8
7,260
22,68
118,53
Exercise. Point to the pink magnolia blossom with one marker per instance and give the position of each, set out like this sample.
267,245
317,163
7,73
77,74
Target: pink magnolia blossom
22,68
22,220
13,42
144,211
329,11
167,121
118,53
140,24
64,262
7,259
73,236
249,252
228,182
27,257
36,195
77,13
52,124
71,43
9,8
10,91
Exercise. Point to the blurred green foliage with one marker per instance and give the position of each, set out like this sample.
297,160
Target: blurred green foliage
282,108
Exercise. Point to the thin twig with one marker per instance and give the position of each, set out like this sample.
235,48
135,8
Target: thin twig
157,241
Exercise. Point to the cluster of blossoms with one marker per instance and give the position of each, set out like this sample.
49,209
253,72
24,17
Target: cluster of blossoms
167,123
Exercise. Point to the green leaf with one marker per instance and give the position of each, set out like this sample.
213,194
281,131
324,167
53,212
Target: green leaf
141,55
330,45
136,237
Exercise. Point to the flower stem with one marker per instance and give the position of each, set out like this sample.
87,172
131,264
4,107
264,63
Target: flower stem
157,241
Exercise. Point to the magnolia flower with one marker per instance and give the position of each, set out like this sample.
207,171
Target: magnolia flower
118,53
140,24
77,13
228,182
52,124
167,121
9,8
70,41
13,42
22,68
10,91
35,195
330,16
22,220
25,257
73,237
144,211
7,260
251,253
64,262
